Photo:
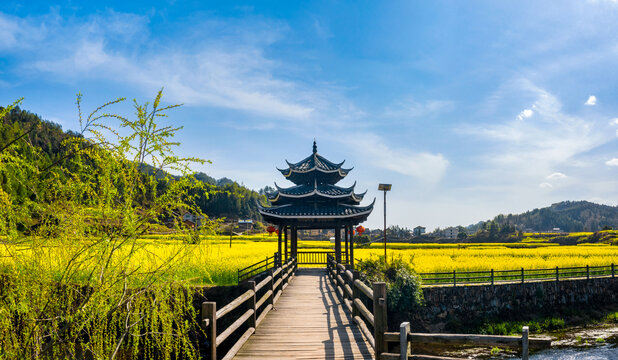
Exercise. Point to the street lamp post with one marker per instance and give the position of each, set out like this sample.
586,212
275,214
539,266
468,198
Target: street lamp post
385,188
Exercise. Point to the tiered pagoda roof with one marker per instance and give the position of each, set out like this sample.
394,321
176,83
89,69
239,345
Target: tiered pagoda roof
315,198
314,167
285,195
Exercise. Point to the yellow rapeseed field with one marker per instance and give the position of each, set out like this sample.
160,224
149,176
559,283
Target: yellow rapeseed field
214,262
499,257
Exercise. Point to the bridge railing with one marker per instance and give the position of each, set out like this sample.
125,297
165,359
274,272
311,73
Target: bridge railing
259,299
257,268
517,275
368,306
359,298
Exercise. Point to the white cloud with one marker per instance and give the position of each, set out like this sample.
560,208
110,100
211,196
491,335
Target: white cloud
614,121
232,72
410,108
556,176
592,100
525,114
612,162
546,185
425,166
552,138
518,151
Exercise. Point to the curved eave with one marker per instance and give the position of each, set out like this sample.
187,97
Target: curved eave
290,171
285,172
349,192
263,211
359,197
359,214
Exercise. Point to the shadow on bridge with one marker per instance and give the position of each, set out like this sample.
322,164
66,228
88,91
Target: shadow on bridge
342,323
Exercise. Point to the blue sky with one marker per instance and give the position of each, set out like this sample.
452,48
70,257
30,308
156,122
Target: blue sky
469,109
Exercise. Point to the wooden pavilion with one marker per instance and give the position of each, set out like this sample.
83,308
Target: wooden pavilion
315,202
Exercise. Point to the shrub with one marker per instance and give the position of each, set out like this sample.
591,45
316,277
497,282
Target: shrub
553,324
403,285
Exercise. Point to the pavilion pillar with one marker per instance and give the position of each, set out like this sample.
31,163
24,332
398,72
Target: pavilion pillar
351,246
338,243
345,236
294,241
285,242
279,244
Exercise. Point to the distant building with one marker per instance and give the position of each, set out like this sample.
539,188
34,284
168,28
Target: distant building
450,233
245,225
192,220
418,231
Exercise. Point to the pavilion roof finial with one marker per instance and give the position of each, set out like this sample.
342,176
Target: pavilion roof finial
315,147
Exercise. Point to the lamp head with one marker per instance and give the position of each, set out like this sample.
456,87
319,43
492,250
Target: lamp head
384,187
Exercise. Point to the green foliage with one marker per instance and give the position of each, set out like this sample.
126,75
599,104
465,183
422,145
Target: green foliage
569,216
92,198
403,286
493,231
43,144
362,239
514,327
612,317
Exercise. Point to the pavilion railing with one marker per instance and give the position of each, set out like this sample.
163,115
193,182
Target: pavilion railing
302,258
317,257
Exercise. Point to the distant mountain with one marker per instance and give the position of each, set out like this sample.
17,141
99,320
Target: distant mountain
225,198
569,216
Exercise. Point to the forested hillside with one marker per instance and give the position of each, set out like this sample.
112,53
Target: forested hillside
223,198
569,216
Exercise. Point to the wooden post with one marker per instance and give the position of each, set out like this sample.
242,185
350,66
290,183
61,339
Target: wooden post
253,318
285,242
352,246
524,343
557,274
355,293
380,320
346,235
587,272
404,330
338,244
348,282
294,243
492,277
271,285
522,275
454,278
279,245
209,312
612,270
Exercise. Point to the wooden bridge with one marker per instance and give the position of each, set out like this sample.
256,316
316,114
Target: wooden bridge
309,322
324,313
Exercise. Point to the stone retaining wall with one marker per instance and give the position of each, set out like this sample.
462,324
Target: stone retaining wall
465,303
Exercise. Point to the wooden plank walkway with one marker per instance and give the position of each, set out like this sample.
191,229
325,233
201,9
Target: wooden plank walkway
308,322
